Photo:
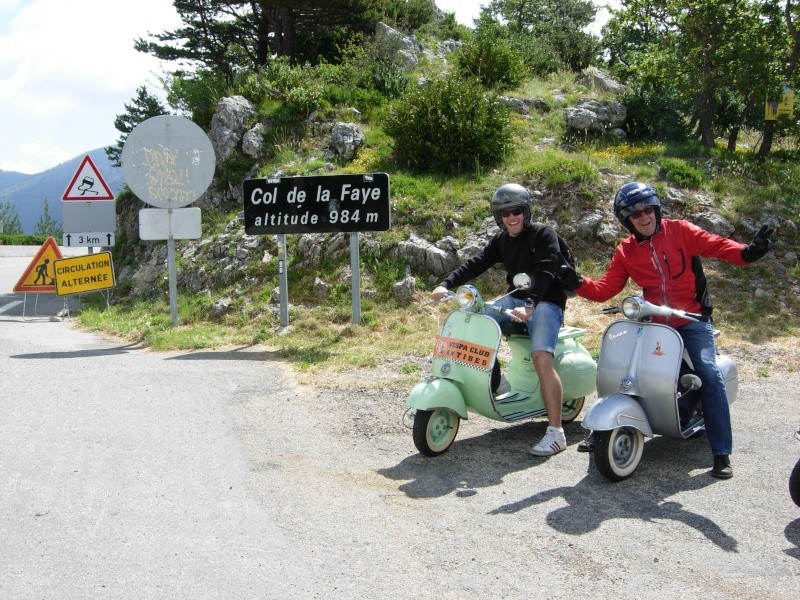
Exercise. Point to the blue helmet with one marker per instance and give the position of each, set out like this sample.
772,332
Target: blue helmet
632,197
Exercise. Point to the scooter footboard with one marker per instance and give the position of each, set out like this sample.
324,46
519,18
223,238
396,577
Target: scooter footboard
616,410
437,393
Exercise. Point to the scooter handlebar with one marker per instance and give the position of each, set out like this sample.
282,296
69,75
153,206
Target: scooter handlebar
637,308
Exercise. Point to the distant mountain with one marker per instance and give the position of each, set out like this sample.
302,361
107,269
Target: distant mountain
28,192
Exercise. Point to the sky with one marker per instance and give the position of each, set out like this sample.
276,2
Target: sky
67,68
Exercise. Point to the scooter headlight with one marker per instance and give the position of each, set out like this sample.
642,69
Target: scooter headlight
632,307
466,296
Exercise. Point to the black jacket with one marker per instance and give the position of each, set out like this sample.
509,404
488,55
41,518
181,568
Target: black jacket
532,251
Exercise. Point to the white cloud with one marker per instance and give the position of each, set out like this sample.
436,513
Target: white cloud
66,70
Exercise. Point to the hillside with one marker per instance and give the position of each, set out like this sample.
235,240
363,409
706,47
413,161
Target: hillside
228,280
28,192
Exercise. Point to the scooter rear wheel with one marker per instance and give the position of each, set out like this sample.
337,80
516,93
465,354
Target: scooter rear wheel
617,452
435,430
794,483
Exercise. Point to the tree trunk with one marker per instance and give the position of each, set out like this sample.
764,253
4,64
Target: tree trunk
706,119
285,37
766,143
734,134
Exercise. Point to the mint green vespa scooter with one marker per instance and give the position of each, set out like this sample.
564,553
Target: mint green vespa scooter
467,379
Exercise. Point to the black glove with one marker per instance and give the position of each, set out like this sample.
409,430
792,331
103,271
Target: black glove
760,245
566,274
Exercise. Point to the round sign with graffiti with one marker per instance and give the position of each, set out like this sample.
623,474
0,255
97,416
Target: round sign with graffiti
168,161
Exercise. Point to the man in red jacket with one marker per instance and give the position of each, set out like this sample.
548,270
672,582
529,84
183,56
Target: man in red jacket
662,256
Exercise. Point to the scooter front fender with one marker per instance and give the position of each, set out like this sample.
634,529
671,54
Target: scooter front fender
437,393
614,411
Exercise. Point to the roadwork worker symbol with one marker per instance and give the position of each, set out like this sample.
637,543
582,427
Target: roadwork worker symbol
42,275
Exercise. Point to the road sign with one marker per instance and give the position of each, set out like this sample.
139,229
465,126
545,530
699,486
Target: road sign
89,239
87,273
168,161
87,184
166,223
39,277
88,223
317,204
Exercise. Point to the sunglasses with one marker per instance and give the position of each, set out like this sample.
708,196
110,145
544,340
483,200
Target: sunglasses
637,214
511,212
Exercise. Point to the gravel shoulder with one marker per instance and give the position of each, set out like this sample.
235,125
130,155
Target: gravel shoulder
375,518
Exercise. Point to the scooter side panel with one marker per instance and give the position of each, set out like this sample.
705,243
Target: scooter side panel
651,375
521,373
573,363
578,373
616,410
437,393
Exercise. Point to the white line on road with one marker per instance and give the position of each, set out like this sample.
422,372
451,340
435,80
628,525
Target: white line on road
9,306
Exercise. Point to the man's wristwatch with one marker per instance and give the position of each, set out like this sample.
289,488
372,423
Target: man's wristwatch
529,303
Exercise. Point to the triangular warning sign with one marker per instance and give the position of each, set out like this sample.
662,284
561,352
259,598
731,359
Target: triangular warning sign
87,184
40,276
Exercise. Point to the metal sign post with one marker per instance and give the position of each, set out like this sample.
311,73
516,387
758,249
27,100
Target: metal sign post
173,281
355,278
283,280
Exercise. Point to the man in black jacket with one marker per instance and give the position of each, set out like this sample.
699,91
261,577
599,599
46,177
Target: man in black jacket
525,247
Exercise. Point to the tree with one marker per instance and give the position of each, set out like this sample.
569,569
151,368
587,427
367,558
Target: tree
47,224
9,218
789,73
143,106
229,35
717,55
559,23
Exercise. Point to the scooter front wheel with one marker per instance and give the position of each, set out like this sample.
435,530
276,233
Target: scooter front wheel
570,409
794,483
435,430
617,452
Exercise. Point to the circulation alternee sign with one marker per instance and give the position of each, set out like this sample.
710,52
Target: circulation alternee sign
325,203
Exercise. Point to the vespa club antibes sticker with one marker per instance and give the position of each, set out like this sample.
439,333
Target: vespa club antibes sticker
465,353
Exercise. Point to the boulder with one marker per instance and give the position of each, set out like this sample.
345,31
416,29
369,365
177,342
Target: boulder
228,125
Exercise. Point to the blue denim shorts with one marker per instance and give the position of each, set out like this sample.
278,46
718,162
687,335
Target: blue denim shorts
543,325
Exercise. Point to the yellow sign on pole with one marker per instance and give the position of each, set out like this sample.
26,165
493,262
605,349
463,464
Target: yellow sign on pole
783,108
38,277
86,273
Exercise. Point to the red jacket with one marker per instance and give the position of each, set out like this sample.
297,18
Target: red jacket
666,266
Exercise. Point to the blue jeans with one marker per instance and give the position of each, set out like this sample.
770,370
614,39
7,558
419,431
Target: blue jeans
698,339
543,326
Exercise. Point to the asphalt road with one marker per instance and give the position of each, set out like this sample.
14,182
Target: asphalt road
126,473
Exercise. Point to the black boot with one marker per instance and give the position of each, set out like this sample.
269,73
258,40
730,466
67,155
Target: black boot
722,467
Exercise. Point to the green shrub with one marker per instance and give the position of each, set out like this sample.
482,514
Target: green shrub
680,172
449,126
22,239
653,113
490,58
554,170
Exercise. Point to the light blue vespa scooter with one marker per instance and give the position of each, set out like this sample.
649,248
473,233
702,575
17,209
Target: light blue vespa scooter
645,387
466,374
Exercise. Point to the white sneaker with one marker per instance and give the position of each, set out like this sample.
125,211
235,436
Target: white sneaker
553,442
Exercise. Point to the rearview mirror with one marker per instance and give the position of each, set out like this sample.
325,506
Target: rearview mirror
521,281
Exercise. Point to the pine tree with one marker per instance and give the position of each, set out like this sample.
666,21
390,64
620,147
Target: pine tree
47,225
9,219
143,106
